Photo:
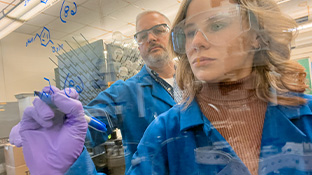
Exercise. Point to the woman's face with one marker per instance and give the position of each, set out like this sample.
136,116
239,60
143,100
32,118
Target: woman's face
220,50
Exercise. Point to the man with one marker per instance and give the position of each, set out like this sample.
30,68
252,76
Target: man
129,105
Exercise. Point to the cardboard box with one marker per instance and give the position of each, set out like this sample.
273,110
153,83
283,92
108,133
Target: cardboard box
20,170
13,155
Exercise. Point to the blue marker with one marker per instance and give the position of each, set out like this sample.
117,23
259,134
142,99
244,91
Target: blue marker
93,122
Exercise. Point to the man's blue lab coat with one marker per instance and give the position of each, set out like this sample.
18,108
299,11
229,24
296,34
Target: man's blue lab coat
131,106
184,142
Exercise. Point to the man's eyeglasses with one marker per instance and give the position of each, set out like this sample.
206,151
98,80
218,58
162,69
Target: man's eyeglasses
157,30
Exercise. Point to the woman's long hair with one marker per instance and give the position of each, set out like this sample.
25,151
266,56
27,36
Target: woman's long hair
276,75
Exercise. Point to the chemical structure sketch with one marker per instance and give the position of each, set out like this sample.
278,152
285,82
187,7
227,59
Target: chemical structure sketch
45,37
65,10
58,48
29,41
71,84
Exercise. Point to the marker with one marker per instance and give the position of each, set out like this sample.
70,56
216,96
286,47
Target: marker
93,122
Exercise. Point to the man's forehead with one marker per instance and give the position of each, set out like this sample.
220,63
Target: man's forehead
149,20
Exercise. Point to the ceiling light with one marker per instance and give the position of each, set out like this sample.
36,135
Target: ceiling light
8,29
301,27
281,1
305,26
15,17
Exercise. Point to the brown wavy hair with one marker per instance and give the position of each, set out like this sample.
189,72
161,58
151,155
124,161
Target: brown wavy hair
276,74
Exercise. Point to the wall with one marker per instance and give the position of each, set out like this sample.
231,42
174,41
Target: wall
303,44
2,81
23,68
8,118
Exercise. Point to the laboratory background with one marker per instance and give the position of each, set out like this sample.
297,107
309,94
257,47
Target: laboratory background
87,45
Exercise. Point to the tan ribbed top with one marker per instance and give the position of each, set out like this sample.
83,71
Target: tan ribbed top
235,111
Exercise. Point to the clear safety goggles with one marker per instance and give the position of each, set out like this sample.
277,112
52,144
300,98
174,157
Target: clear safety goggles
218,26
157,30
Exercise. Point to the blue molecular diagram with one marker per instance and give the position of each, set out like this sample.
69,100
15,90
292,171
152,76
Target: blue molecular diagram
44,36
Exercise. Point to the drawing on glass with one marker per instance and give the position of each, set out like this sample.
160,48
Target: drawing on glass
65,10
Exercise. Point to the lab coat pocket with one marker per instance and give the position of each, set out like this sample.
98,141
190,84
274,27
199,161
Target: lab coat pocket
218,162
293,158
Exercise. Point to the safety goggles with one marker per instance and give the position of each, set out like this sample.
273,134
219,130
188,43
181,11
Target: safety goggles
218,26
157,30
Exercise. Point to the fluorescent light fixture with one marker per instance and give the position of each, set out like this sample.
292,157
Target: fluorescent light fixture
282,1
22,8
5,22
10,28
21,13
305,26
301,27
33,12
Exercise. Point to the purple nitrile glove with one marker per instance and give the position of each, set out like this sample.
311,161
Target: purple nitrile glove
15,137
51,140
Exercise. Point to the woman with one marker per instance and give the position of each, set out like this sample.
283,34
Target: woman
244,110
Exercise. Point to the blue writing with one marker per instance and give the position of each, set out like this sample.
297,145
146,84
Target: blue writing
80,90
49,85
71,84
26,1
44,36
42,1
44,93
45,39
72,11
65,10
57,49
29,41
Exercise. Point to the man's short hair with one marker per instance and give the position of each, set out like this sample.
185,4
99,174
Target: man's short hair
140,15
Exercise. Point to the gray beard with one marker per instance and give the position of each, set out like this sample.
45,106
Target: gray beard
158,60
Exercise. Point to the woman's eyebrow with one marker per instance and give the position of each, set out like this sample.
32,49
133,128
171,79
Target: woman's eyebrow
189,25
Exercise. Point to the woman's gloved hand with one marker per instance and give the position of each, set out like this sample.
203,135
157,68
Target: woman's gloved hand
52,140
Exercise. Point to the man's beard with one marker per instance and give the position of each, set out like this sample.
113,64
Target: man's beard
158,60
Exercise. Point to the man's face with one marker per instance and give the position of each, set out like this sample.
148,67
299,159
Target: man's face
154,50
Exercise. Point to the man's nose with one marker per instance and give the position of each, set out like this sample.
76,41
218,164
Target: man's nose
151,37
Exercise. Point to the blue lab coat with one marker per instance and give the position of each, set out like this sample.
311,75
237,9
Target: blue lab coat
131,106
185,142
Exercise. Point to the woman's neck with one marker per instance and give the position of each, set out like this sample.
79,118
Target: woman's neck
228,91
